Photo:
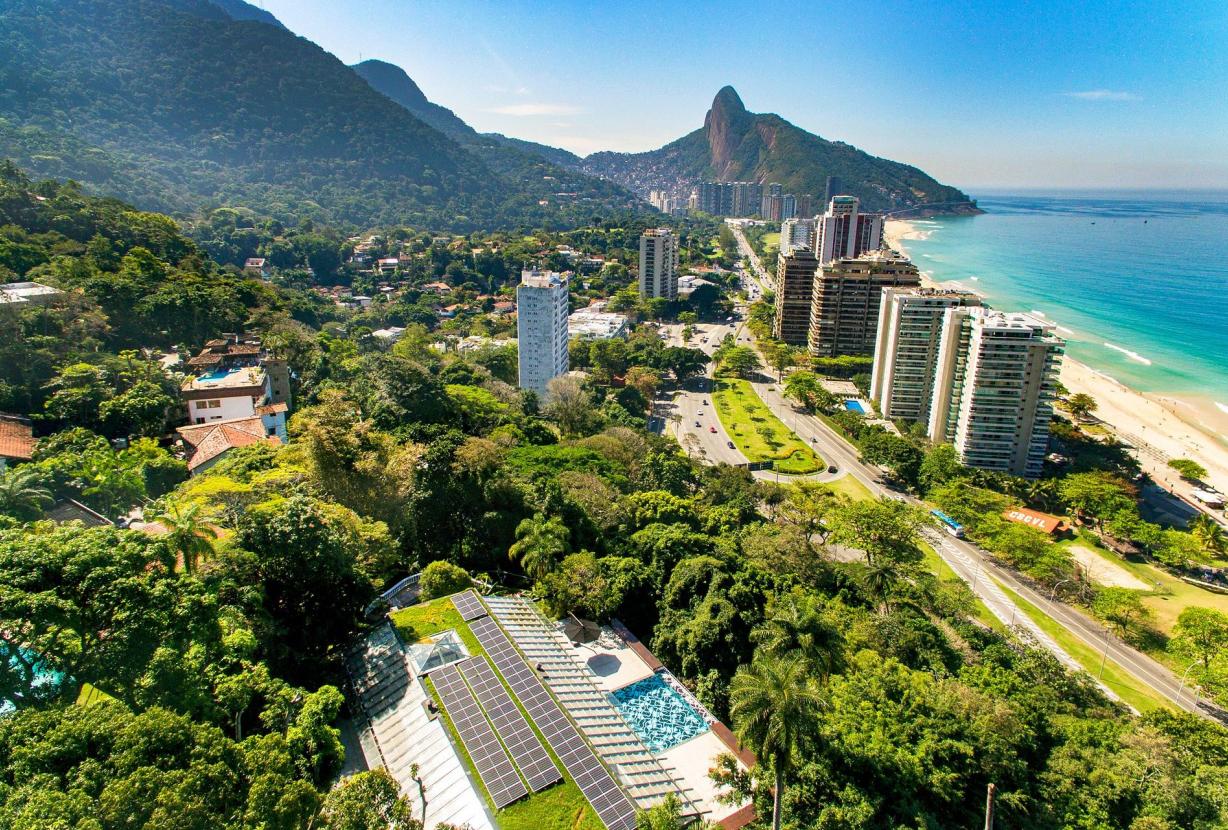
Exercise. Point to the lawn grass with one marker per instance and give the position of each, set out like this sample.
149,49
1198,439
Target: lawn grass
417,622
848,485
89,695
1137,694
742,413
561,807
1167,601
771,245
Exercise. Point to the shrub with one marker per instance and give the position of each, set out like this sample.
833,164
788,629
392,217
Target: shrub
440,579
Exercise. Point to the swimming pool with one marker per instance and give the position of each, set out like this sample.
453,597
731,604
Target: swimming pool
855,406
658,714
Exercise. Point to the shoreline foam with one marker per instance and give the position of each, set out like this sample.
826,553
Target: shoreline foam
1177,423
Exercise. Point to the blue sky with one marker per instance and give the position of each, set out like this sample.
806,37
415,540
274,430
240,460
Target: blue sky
1051,93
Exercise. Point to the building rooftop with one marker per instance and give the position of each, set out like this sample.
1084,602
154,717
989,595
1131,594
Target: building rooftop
16,438
534,278
210,440
236,378
23,292
589,323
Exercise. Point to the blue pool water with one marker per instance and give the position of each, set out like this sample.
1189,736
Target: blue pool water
43,676
660,716
216,374
855,406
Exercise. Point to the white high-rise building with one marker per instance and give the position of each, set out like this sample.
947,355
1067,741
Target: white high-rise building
910,324
659,263
541,328
796,233
994,385
844,231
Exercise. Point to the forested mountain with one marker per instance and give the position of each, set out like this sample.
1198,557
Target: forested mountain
238,10
174,98
737,145
397,85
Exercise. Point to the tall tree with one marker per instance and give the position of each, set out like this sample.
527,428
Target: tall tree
190,536
540,544
775,704
22,494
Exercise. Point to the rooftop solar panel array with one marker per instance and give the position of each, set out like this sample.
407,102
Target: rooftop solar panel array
469,606
493,766
522,744
609,801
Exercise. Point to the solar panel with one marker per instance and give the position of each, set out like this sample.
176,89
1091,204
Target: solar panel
522,744
609,801
488,756
469,606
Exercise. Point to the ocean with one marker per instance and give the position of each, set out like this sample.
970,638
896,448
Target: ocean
1136,281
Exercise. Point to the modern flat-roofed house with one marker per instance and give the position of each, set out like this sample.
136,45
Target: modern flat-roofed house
258,267
16,440
27,293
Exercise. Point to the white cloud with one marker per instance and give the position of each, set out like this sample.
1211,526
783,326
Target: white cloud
1102,95
525,110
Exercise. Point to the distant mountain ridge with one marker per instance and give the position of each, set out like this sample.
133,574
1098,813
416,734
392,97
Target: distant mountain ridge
238,10
737,145
394,82
207,110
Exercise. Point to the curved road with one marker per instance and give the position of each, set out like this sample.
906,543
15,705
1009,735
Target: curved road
972,564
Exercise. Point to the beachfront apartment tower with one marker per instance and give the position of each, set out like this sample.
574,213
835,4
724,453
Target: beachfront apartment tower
910,326
794,292
845,301
994,386
844,231
659,263
541,328
796,233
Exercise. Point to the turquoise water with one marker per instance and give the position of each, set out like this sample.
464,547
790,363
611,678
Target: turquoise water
855,406
1136,281
43,675
658,714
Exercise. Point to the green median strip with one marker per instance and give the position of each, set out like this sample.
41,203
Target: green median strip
1121,682
757,433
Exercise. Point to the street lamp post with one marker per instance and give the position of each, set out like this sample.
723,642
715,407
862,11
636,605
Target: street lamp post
1053,593
1104,658
1181,688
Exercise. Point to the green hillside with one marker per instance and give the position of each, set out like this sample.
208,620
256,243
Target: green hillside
213,111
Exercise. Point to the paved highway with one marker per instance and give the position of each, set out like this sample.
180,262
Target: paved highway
972,564
969,562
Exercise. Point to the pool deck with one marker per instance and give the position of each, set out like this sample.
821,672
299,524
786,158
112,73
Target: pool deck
619,659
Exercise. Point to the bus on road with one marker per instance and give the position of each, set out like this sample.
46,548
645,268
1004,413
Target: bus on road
948,524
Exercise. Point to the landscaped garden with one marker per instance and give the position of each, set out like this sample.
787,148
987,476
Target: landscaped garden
757,433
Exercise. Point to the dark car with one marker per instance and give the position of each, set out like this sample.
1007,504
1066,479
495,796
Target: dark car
833,469
698,424
731,445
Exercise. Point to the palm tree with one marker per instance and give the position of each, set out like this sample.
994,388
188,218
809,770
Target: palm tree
22,493
796,626
775,705
881,577
189,535
1208,533
540,542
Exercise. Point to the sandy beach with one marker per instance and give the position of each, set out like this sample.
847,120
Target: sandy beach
1182,426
